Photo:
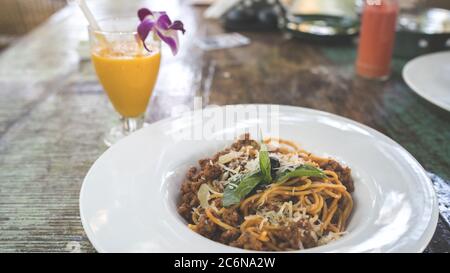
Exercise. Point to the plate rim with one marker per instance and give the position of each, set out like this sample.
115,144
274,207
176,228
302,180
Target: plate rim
427,234
415,88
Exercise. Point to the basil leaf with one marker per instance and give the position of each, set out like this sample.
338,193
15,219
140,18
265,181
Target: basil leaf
264,163
233,195
303,170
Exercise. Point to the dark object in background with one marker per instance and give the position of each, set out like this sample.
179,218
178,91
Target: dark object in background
271,15
322,28
425,32
322,21
252,15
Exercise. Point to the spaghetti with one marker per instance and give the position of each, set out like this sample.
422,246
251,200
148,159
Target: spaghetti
296,213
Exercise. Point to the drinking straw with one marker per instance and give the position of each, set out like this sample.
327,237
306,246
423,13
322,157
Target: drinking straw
88,14
92,22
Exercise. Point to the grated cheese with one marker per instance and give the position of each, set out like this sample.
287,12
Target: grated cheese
252,165
228,169
226,158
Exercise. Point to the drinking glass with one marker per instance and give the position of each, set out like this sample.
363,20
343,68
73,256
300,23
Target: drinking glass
126,70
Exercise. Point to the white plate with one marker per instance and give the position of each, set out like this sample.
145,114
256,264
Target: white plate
429,77
128,198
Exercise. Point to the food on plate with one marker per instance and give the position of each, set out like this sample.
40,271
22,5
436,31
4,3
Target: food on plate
269,196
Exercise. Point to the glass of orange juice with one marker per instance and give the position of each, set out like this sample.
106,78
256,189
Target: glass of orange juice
126,70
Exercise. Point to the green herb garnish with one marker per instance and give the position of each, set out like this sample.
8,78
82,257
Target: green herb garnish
303,170
238,190
264,163
234,194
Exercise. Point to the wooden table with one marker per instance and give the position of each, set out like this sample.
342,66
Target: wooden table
53,112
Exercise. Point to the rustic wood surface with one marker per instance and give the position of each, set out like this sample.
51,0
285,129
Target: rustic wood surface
53,112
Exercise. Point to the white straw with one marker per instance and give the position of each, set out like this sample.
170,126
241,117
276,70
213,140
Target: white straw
88,14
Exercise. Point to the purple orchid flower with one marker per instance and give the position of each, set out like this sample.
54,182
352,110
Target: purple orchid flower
160,24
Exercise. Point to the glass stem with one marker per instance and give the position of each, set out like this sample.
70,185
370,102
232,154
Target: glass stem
129,125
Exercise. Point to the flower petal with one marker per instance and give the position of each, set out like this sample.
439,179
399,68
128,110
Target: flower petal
143,13
178,25
170,37
144,28
163,22
160,24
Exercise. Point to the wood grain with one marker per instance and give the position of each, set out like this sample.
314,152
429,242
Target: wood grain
53,112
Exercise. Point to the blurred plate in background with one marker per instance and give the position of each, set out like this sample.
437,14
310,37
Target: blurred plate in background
429,76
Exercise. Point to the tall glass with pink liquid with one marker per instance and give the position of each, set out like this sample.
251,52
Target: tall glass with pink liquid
379,20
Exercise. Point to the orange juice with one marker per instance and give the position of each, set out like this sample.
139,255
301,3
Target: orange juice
128,76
